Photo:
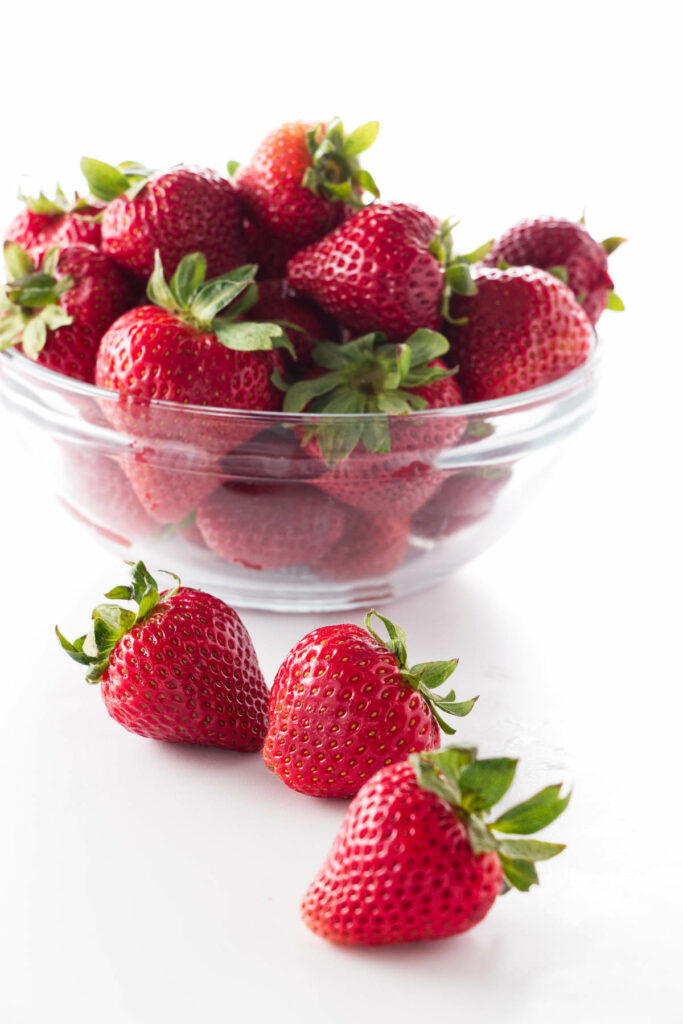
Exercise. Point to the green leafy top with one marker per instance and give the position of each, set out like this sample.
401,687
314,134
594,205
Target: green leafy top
199,302
107,182
425,677
368,375
111,621
335,170
473,786
30,300
457,275
61,204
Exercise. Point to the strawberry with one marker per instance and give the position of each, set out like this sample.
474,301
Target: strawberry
181,668
168,481
370,546
344,704
184,210
44,223
270,254
566,249
462,500
388,268
523,328
277,302
416,856
382,464
58,311
304,177
270,525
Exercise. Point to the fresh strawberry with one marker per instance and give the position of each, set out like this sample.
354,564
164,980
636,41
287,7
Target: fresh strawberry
270,525
303,178
383,463
388,268
521,329
58,311
344,704
462,500
94,483
270,254
416,856
44,223
169,481
184,210
180,668
566,249
370,546
277,302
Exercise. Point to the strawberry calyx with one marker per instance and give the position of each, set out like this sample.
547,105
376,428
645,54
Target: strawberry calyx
110,622
473,786
425,677
335,171
457,275
368,375
60,204
107,182
30,300
213,306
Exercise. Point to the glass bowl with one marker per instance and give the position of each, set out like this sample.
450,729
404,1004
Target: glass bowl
241,504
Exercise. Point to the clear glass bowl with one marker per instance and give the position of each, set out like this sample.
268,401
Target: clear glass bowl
237,503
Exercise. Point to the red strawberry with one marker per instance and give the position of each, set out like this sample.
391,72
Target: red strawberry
523,328
270,254
388,268
381,464
566,249
184,210
58,311
44,223
270,525
95,484
301,178
416,858
182,668
370,546
276,301
344,704
169,482
182,351
462,500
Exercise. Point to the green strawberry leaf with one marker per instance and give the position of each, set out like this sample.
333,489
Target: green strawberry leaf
18,262
245,336
189,276
299,395
614,302
104,181
534,814
363,180
433,673
519,874
375,435
425,346
560,273
529,849
233,167
610,244
34,337
361,138
484,782
459,279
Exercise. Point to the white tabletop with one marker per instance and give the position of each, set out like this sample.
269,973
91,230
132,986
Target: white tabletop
144,883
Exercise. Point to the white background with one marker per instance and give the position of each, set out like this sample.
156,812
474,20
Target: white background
142,883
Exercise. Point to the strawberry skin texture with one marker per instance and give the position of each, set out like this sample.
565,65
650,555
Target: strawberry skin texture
269,253
270,526
276,301
398,482
552,242
149,353
370,546
189,674
462,500
339,711
400,869
375,272
271,190
524,329
38,232
170,484
182,211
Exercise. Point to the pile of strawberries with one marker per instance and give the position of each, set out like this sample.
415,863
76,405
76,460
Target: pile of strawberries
418,855
279,288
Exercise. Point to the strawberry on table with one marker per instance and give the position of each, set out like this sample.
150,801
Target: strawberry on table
417,857
44,223
270,525
58,310
182,667
345,704
181,211
304,177
566,249
521,329
387,268
383,463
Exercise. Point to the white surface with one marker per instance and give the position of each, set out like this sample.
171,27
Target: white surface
143,883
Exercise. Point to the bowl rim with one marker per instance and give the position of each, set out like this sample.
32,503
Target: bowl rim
545,394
